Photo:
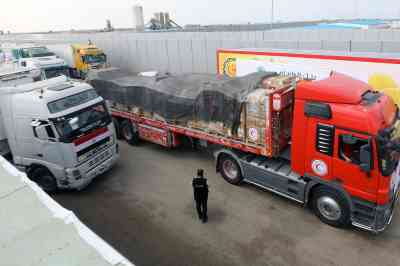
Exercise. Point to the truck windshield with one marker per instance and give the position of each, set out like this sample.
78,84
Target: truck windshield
389,148
35,52
93,59
73,125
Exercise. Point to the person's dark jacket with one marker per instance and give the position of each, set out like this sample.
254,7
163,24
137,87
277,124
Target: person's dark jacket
200,188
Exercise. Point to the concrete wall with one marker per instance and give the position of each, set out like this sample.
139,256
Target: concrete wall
179,52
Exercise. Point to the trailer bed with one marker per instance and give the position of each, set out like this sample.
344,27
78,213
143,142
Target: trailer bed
167,128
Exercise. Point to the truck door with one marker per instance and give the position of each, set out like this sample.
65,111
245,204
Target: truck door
319,148
46,147
347,164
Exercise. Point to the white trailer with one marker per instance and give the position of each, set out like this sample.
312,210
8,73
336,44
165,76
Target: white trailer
65,52
380,70
57,130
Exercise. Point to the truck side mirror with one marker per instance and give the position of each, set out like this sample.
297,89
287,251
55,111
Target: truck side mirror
74,123
41,131
366,158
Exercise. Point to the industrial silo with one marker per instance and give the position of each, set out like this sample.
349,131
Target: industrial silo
138,20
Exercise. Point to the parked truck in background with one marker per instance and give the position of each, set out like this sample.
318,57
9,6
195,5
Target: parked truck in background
80,57
57,130
12,74
31,55
331,144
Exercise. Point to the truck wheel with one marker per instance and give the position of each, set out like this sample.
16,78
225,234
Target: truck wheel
44,179
128,133
331,207
230,170
117,128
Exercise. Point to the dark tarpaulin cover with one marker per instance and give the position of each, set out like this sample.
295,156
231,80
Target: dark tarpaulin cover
180,98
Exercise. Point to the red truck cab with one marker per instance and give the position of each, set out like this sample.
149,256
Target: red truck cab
344,137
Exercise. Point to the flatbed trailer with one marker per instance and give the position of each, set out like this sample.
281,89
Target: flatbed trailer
328,119
167,135
281,179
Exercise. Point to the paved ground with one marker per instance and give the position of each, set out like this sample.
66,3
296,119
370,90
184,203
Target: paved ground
144,208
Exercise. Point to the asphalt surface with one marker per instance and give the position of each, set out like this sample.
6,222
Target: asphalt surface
144,208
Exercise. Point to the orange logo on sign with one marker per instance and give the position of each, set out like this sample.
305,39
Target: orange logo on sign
230,67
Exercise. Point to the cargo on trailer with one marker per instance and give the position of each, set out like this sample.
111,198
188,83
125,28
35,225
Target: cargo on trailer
255,109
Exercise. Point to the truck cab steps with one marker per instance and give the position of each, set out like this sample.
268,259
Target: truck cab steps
274,174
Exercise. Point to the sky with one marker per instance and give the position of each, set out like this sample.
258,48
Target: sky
45,15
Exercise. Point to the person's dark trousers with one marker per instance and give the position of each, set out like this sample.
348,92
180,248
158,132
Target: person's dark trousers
204,205
201,206
199,209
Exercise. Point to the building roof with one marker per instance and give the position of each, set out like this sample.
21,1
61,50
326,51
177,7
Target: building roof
335,89
336,26
36,230
353,24
368,21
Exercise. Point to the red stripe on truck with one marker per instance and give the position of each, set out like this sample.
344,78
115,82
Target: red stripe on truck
89,136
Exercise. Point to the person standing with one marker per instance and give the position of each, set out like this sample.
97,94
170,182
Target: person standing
200,191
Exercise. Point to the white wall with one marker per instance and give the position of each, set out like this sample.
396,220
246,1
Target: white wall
179,52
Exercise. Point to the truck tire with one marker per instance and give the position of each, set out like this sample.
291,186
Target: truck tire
331,207
44,179
117,127
230,170
128,133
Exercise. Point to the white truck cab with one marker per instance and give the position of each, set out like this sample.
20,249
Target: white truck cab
59,131
31,55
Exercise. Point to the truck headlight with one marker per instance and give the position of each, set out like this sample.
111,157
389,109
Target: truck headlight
76,173
83,157
110,141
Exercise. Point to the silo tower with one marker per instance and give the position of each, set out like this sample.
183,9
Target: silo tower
138,20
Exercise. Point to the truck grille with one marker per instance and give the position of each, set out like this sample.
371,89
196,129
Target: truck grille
98,160
93,149
325,137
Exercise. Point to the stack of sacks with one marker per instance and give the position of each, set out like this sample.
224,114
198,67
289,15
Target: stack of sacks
257,106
